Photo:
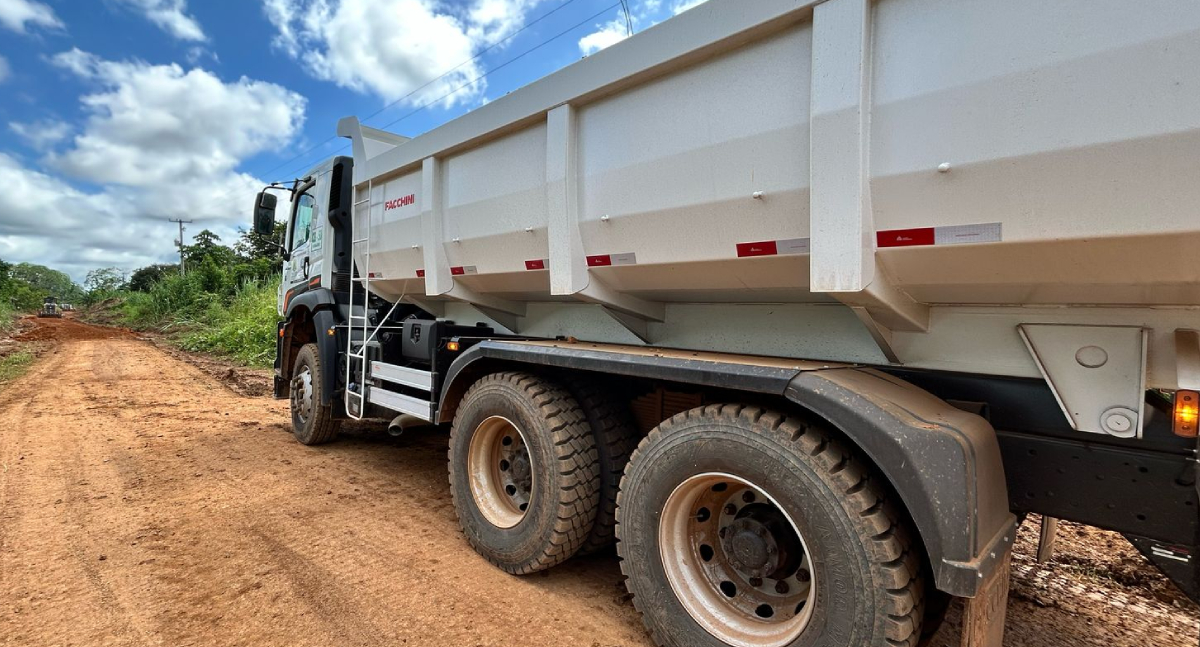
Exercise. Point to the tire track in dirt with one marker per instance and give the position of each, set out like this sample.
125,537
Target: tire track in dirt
218,529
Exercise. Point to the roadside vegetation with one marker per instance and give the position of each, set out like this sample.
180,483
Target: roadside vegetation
223,304
23,286
14,364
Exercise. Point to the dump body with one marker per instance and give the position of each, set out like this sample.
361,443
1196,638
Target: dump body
789,178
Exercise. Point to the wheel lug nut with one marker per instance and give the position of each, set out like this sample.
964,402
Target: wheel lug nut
781,587
730,509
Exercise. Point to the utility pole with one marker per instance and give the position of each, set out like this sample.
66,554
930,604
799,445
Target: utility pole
182,265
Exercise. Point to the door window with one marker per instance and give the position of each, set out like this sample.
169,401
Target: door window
303,219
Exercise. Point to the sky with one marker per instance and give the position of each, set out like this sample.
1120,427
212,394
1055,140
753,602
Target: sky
119,115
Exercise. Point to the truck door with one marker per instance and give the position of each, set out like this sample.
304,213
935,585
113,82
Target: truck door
303,221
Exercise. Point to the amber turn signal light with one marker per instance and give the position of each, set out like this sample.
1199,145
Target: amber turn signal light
1187,410
452,346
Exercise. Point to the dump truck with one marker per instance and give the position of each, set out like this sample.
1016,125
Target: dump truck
50,308
803,304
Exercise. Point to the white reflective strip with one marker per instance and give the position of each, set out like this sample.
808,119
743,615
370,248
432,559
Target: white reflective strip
955,234
1170,554
628,258
792,246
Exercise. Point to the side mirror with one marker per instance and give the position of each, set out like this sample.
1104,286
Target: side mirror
264,213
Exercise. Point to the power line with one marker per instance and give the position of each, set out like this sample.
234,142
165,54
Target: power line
433,80
468,83
505,64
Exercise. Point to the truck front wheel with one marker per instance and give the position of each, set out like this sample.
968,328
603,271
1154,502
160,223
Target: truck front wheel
740,526
524,472
312,422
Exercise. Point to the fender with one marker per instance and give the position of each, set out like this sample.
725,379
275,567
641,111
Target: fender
303,296
320,309
944,463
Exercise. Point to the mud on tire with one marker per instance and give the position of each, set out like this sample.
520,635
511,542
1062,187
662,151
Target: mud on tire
866,568
616,437
315,424
557,516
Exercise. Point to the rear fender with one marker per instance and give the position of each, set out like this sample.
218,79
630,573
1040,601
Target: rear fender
944,463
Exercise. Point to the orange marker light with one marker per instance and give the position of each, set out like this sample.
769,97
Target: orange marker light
281,332
1187,413
452,345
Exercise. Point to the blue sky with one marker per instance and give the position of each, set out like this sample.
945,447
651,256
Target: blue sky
116,115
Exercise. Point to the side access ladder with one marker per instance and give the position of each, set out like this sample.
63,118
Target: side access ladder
358,394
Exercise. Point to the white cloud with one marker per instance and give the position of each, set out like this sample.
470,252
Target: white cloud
156,123
394,47
18,14
5,69
42,134
170,15
160,142
681,6
608,34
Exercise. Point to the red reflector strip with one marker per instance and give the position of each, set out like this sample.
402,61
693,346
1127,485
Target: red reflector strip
905,237
773,247
420,274
537,264
764,248
461,270
604,260
989,232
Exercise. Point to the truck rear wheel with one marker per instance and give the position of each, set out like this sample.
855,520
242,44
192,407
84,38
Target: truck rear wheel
740,526
616,438
524,473
312,422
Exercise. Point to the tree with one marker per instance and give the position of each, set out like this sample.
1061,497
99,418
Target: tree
103,283
144,278
5,279
50,281
207,245
252,246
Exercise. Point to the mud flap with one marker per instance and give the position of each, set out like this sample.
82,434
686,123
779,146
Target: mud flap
983,615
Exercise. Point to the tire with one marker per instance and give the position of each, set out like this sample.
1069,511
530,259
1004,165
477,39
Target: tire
314,424
534,506
861,573
616,438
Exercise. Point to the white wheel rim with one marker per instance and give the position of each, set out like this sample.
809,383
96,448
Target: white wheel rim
753,550
500,472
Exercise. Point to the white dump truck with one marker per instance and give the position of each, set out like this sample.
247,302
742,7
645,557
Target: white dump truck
805,303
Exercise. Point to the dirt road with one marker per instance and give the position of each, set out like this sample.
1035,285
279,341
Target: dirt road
145,503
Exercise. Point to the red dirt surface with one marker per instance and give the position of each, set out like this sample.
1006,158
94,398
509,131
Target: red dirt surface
146,501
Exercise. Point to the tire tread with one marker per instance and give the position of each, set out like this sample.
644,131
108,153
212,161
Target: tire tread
576,461
895,558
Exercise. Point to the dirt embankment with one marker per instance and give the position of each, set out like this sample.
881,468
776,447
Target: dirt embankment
143,501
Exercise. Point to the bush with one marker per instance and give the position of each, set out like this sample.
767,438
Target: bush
243,328
8,318
238,322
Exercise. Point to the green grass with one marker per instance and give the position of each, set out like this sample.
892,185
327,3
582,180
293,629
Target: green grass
8,318
243,328
14,365
238,324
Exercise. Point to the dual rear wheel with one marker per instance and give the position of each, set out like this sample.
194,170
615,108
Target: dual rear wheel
737,525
